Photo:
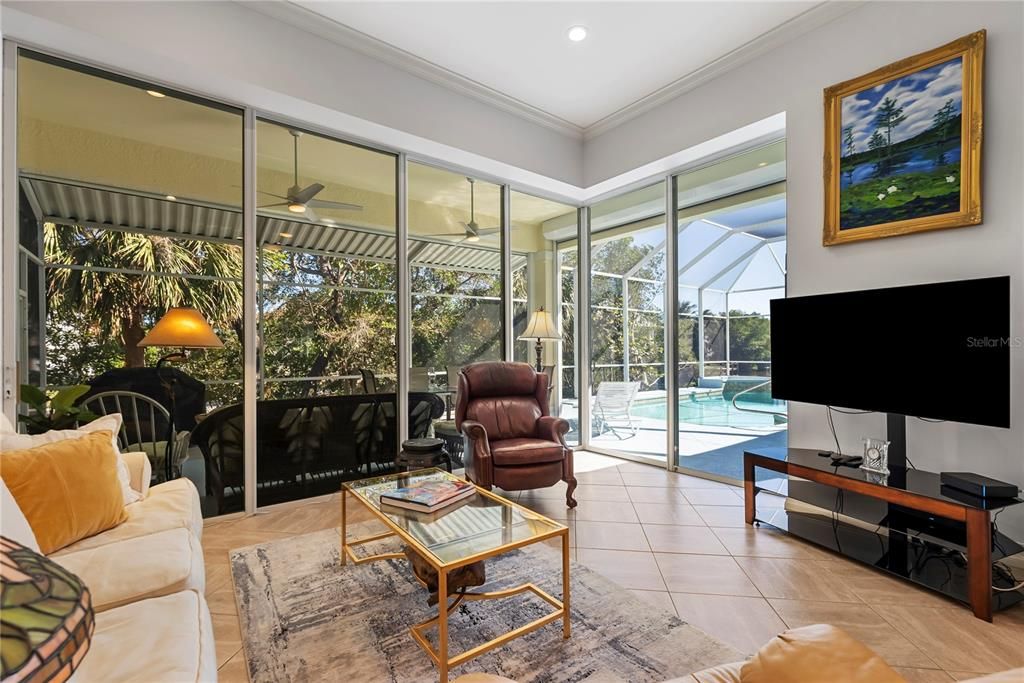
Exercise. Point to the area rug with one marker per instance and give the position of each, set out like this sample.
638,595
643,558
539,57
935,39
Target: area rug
305,617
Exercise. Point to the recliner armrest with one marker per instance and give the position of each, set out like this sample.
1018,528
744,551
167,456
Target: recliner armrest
476,432
552,428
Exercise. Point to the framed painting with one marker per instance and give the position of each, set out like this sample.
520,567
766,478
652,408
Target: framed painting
903,146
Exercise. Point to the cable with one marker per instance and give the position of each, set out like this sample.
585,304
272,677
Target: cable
927,419
850,412
832,426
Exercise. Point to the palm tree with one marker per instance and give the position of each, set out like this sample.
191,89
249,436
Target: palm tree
115,280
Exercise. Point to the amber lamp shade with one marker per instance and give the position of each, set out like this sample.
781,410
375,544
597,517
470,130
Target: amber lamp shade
184,328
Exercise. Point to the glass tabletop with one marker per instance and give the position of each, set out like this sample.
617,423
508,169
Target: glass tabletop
476,525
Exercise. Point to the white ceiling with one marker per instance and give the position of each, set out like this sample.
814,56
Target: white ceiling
520,49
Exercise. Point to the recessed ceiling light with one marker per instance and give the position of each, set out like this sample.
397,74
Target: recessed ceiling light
295,207
329,221
155,93
577,33
170,198
286,235
473,238
763,163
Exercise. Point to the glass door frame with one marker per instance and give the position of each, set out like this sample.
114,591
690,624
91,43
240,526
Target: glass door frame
9,269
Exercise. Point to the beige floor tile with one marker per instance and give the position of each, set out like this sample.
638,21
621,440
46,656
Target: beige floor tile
227,636
710,574
599,511
878,588
768,500
745,623
608,476
602,493
721,515
796,579
659,599
552,509
611,536
923,675
700,540
556,492
662,478
628,466
668,513
726,496
767,542
861,622
687,481
655,494
628,569
234,671
222,601
957,641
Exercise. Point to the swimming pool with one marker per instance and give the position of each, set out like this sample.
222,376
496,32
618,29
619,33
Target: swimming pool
715,411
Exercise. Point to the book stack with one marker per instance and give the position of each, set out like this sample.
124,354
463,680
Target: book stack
428,496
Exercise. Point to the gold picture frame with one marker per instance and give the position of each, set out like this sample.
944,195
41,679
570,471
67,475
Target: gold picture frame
898,182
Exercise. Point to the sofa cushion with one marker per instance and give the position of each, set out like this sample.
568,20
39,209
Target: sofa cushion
137,568
13,524
171,505
68,490
159,640
508,452
10,441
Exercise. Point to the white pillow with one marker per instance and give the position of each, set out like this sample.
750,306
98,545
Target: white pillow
13,524
11,442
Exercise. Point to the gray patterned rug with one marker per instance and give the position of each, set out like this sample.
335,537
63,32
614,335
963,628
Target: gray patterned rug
304,617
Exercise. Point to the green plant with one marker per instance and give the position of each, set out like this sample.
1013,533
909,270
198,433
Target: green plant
54,411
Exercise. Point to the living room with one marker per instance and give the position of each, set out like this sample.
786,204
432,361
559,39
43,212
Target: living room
281,253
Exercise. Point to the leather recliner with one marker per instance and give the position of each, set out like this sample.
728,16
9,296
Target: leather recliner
512,441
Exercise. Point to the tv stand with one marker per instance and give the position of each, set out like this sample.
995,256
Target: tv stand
936,540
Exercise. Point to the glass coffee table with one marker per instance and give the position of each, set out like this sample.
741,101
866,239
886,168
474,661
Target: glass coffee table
477,528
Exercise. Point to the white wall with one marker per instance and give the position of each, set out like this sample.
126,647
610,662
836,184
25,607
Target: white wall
235,52
791,79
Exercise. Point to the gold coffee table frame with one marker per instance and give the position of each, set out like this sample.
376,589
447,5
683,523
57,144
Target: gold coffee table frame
441,656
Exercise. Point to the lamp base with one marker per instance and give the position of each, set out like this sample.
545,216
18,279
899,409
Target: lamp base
539,348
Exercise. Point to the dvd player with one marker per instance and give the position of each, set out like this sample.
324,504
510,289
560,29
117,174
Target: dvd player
979,485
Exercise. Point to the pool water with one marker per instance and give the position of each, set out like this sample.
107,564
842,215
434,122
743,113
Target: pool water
715,411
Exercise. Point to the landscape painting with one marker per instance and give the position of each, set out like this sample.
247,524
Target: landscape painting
896,161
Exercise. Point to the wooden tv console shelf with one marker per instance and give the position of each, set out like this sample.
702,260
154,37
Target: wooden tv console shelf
945,525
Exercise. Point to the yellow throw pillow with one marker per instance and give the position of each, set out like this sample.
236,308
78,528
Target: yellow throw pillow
67,490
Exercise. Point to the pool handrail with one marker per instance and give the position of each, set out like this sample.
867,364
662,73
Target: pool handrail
756,410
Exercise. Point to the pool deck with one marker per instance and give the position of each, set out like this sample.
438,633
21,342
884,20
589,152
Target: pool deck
716,450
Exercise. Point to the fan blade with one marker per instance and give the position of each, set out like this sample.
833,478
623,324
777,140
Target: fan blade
267,206
304,195
488,231
271,194
311,215
324,204
443,234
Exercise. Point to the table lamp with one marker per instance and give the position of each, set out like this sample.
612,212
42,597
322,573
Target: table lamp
185,328
541,327
47,617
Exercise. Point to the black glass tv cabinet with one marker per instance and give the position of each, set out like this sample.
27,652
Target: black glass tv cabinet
931,535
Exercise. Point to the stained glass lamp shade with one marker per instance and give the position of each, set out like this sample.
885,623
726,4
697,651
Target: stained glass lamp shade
46,616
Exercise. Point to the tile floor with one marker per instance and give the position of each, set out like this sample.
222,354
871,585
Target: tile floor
680,543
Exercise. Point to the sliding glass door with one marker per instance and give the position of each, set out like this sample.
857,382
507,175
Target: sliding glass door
627,324
731,237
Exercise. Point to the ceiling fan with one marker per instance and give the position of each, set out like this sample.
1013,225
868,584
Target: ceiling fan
473,230
302,200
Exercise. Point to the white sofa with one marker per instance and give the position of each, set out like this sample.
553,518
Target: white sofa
147,578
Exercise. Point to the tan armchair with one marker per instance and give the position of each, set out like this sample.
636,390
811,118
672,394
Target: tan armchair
512,441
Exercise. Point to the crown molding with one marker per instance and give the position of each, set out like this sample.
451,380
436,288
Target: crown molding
346,36
802,23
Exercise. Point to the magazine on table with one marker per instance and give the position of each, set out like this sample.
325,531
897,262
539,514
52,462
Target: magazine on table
428,496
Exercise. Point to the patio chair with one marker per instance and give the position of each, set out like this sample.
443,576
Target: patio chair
369,381
146,428
614,402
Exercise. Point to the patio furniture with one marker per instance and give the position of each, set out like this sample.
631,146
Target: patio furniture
453,440
512,441
369,381
189,393
306,446
614,402
145,428
419,379
417,454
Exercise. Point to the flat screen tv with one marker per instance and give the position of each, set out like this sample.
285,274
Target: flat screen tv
939,351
